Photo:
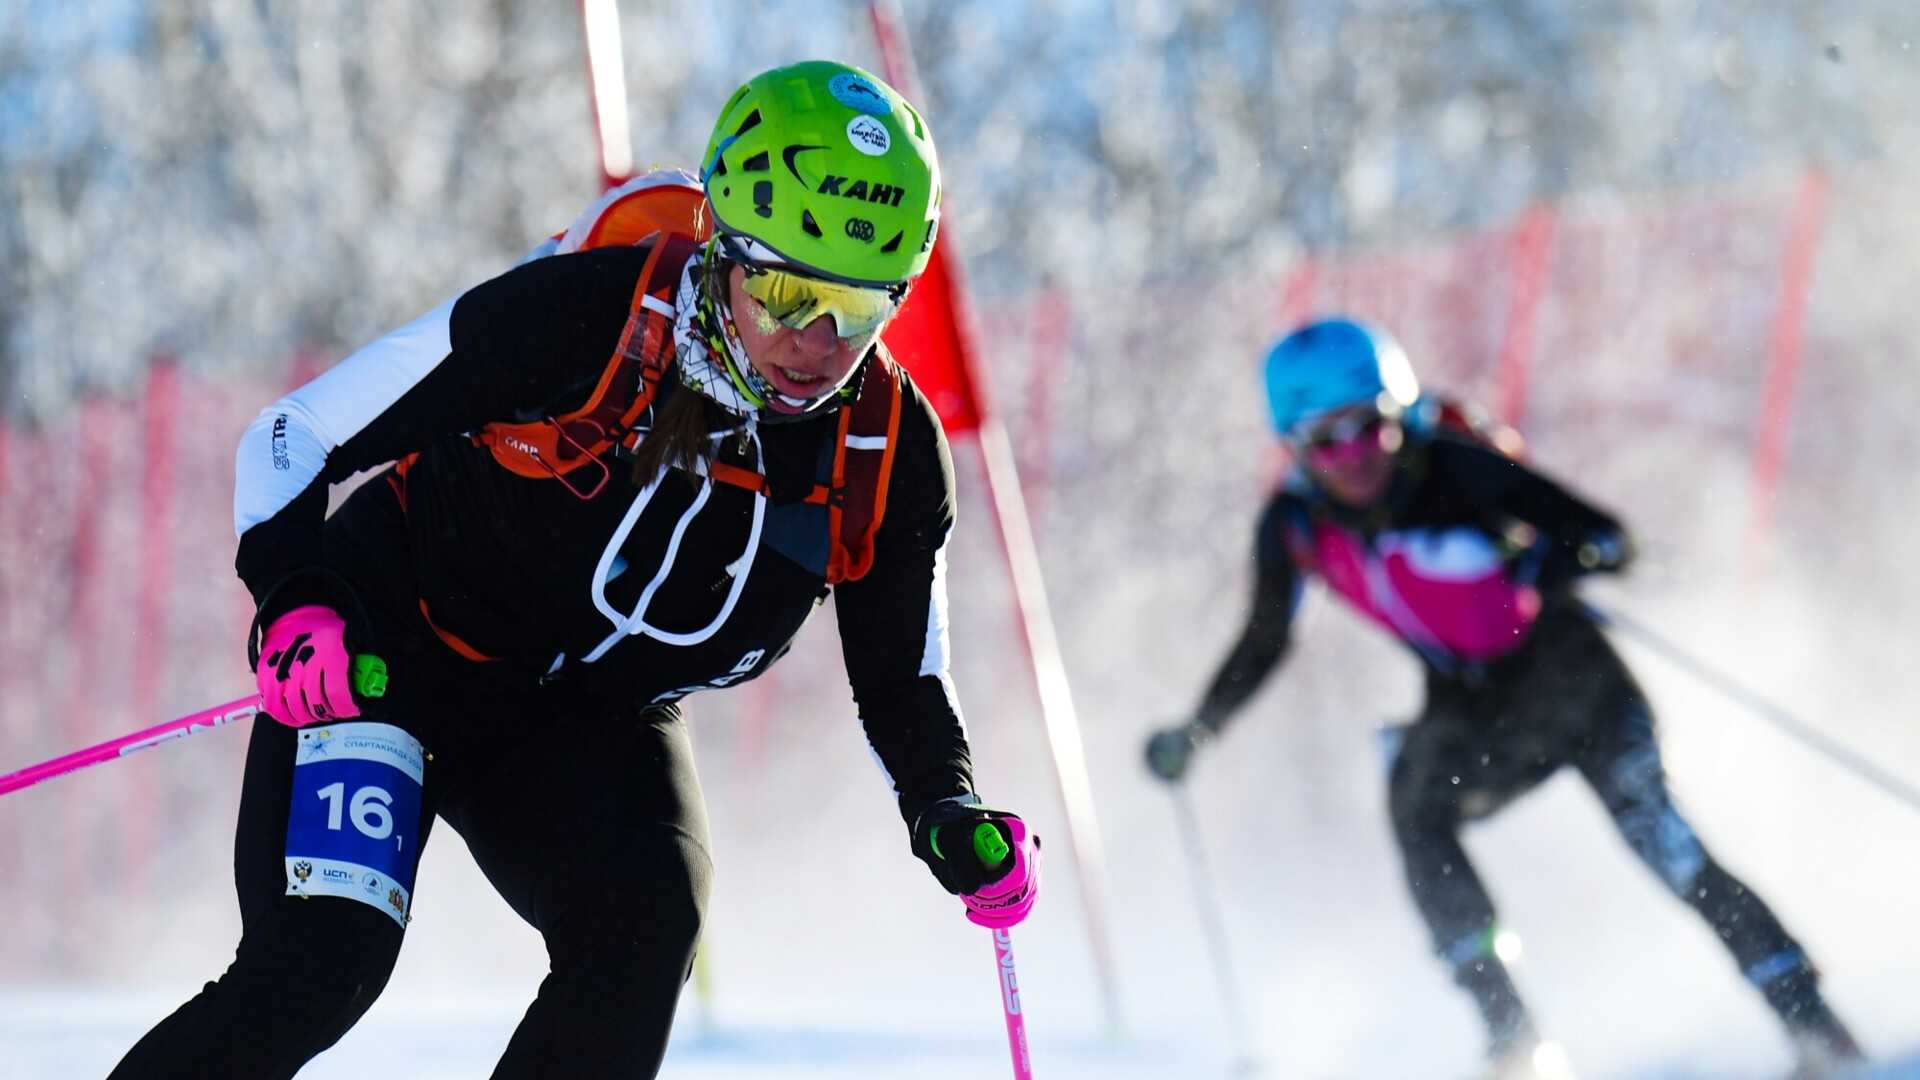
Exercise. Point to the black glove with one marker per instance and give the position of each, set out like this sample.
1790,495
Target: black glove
943,839
1604,551
1554,568
1170,750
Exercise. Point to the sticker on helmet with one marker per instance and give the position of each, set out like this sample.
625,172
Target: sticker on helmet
857,93
869,136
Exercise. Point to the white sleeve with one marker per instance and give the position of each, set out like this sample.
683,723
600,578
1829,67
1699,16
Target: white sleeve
285,449
934,651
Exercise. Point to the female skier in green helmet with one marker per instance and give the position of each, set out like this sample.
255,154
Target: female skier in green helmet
621,475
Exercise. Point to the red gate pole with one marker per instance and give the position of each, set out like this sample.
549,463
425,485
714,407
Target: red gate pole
1051,317
1783,361
1532,248
1057,711
607,90
161,408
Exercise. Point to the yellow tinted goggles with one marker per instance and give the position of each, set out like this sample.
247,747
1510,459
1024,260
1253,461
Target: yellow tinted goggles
796,300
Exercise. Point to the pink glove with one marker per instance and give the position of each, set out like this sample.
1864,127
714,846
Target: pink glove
303,671
1004,903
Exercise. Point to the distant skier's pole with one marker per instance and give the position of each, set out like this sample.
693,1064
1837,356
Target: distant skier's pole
1766,710
1058,715
368,675
1214,926
993,851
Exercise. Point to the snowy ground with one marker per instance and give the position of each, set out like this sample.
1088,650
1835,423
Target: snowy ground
1325,947
65,1034
56,1036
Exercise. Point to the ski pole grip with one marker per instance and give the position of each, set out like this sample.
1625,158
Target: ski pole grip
368,676
989,846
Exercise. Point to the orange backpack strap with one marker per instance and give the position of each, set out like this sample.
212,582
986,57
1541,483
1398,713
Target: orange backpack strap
555,446
867,434
397,478
453,641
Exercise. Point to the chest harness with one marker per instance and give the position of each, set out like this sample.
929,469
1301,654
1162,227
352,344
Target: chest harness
571,448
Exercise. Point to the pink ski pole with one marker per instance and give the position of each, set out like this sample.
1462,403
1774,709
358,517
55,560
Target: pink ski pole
205,720
1010,1003
369,680
993,850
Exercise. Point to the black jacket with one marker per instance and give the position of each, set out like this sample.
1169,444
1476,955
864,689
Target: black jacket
507,563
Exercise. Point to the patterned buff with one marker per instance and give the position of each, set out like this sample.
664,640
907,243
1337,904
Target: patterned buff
700,329
694,329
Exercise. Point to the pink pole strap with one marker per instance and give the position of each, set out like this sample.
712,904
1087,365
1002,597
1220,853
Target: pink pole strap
1010,1003
205,720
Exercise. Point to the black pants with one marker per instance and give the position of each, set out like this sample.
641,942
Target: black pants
1565,700
586,817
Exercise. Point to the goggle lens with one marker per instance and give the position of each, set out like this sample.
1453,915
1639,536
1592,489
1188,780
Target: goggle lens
1327,440
796,300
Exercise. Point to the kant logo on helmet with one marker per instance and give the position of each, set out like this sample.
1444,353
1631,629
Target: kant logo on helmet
876,192
869,136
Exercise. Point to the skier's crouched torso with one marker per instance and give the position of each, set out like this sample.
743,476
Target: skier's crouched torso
540,577
1465,561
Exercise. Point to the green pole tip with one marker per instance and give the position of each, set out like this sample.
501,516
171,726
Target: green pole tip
988,844
368,676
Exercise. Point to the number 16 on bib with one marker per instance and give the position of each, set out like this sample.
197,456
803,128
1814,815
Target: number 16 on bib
353,827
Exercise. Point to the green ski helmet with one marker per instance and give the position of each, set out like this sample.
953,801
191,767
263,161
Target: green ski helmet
828,168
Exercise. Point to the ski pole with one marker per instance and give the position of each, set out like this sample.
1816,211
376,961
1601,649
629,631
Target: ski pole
1214,927
993,851
1780,718
369,676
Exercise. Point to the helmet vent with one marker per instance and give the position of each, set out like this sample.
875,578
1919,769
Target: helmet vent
811,226
752,121
756,163
763,198
919,127
892,245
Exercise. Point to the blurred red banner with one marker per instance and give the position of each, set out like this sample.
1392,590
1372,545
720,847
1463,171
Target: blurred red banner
927,339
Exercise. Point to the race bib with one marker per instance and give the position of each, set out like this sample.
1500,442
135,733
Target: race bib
353,828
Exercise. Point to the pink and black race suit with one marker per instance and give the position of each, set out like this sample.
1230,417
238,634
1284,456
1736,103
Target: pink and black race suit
1458,561
1449,592
1453,559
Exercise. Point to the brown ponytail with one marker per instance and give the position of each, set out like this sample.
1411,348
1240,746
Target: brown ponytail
679,436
